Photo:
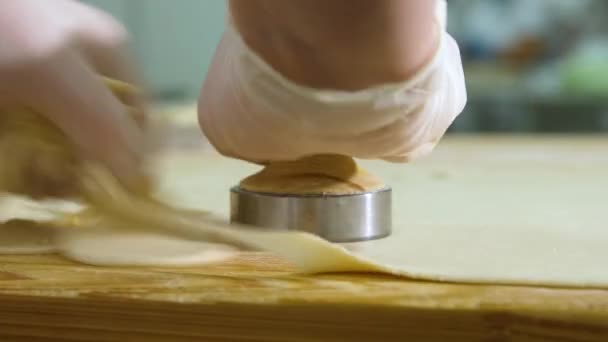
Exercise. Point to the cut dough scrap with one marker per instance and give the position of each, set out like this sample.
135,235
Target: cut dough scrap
26,237
22,224
109,241
14,207
117,248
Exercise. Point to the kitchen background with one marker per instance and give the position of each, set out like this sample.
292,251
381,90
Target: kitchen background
531,65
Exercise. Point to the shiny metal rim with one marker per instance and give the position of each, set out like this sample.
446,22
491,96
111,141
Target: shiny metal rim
337,218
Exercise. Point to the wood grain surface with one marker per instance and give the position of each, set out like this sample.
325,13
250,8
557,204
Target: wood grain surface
257,297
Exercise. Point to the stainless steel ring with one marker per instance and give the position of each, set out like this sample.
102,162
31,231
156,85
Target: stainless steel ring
337,218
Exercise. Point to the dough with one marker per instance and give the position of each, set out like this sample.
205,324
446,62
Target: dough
15,207
37,159
500,221
318,174
110,247
95,238
22,227
463,223
495,219
26,237
484,220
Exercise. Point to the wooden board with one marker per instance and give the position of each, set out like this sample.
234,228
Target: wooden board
255,298
258,298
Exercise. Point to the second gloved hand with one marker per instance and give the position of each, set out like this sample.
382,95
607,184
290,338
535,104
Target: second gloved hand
51,53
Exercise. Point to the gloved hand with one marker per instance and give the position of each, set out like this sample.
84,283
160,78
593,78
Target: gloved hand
250,111
51,53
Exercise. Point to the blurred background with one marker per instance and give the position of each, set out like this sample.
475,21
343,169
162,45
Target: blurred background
531,65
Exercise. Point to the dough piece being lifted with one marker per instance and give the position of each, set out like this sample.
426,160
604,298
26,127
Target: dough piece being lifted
38,160
318,174
22,224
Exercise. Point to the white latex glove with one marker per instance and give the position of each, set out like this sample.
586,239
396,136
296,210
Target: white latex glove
50,55
249,111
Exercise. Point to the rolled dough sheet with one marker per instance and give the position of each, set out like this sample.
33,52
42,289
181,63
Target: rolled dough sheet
496,221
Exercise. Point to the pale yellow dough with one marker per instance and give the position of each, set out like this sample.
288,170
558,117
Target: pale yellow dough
494,219
37,159
110,247
22,227
504,219
94,238
318,174
26,237
450,225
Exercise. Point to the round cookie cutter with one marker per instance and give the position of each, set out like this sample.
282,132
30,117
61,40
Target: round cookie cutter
336,218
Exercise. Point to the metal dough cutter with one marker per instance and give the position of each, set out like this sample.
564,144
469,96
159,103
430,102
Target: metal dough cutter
337,218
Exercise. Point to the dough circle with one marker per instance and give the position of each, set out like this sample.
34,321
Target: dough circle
106,247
